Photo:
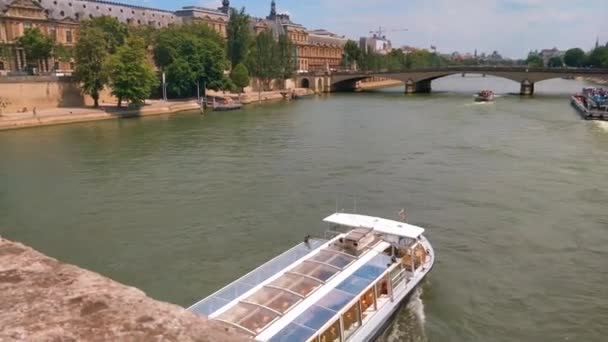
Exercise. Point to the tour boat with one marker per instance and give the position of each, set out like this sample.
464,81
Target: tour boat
344,287
484,96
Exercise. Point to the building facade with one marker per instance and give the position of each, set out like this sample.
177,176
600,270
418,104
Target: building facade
375,44
60,19
316,50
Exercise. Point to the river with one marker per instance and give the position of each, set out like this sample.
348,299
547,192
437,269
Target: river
514,196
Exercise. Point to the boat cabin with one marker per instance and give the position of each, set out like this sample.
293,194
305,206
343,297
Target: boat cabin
325,290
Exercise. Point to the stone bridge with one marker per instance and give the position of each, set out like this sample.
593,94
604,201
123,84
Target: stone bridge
419,80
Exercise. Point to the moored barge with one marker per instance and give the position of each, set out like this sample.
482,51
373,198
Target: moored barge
345,287
592,104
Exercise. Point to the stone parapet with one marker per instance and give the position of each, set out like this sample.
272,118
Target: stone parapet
42,299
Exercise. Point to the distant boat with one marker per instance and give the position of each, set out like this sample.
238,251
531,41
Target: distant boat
222,104
484,96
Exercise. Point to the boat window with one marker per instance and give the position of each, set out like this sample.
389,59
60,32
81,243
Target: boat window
251,317
332,334
351,320
274,299
297,283
333,258
317,271
382,288
368,303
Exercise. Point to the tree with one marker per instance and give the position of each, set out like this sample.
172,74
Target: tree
115,32
240,76
36,45
132,78
239,36
352,54
575,57
263,59
534,60
286,57
90,54
555,62
598,58
190,55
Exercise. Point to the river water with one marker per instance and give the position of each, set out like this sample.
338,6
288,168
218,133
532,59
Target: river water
514,196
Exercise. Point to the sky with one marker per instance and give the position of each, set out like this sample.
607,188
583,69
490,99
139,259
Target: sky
512,27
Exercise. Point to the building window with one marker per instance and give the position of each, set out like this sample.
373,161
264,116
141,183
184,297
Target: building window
27,24
56,66
68,36
71,65
53,32
1,66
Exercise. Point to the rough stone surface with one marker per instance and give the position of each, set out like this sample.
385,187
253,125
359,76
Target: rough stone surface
42,299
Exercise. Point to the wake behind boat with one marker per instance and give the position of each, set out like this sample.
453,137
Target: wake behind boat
485,96
345,287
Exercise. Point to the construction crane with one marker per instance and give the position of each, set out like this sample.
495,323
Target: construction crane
381,30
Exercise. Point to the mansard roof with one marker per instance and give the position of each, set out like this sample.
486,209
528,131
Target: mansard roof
85,9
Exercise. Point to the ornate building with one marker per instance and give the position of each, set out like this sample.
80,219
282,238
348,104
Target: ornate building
60,19
315,50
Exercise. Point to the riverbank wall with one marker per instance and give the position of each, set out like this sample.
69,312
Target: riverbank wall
603,81
42,299
57,116
23,93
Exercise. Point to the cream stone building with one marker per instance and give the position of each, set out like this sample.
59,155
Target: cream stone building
60,19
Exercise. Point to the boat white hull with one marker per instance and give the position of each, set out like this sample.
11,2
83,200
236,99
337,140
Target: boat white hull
377,324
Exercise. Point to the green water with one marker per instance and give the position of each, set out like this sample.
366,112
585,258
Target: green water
514,196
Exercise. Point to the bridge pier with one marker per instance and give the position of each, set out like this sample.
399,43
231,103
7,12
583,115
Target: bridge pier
412,87
527,88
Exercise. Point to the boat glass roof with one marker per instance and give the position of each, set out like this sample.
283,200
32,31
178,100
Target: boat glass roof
319,314
236,289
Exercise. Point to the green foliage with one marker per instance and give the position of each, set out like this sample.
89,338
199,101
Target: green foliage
352,54
534,60
115,33
189,55
286,57
5,51
64,52
598,58
146,32
132,78
91,53
555,62
575,57
36,45
239,36
422,59
263,61
224,84
240,76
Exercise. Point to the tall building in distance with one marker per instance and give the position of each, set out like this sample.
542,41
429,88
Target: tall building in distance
315,50
375,44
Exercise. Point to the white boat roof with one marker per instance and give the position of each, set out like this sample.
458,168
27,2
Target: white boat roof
378,224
